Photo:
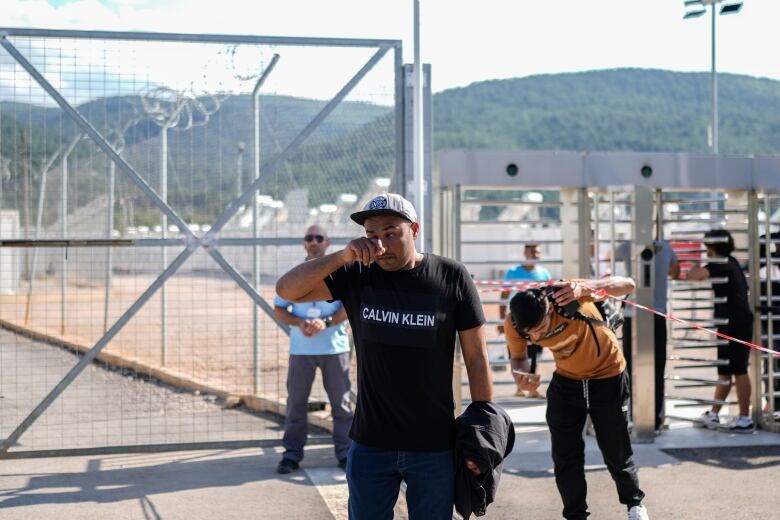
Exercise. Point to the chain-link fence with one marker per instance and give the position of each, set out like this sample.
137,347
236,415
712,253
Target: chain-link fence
152,189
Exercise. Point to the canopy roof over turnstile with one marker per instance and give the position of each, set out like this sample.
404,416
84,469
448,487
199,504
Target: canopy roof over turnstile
537,169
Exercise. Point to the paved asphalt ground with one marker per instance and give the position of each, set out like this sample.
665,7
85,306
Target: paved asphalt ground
719,476
688,473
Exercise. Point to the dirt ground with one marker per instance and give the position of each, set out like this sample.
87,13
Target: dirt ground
208,330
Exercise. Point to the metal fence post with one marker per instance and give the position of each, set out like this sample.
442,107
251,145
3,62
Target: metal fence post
109,232
454,242
63,234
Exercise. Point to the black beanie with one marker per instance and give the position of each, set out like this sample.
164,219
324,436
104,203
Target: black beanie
528,308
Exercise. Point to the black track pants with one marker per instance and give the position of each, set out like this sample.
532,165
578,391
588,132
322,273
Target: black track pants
569,401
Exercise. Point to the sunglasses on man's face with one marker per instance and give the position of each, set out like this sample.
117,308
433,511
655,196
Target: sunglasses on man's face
311,238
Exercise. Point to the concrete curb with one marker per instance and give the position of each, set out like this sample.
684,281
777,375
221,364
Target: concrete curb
257,403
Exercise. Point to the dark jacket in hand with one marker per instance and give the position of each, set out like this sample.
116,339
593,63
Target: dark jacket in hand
484,434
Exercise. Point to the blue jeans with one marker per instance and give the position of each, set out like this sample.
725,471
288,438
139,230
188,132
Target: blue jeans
374,476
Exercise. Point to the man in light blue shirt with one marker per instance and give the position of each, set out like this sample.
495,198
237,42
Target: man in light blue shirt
318,338
528,271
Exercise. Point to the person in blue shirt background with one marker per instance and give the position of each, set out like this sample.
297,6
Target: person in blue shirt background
530,270
318,339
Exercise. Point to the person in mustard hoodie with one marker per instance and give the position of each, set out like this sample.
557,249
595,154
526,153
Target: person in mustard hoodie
590,379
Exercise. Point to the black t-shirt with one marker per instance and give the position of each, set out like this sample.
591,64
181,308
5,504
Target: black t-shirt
404,324
736,307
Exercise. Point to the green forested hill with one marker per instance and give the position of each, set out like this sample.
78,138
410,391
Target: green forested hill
623,109
202,160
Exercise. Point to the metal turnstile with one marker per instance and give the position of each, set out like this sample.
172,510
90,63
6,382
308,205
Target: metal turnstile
692,360
684,194
767,314
489,229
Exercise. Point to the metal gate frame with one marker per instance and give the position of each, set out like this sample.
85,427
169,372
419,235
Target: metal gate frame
210,241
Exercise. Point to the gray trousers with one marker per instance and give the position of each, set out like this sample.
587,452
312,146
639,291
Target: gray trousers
335,378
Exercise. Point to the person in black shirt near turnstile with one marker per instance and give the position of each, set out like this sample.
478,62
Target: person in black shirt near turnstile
736,309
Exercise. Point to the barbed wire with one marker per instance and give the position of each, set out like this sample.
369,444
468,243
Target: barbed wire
248,61
180,110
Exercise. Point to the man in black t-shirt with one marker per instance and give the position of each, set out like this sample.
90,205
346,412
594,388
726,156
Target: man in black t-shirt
405,309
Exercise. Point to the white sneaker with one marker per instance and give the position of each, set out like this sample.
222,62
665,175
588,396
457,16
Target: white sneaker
740,424
708,419
638,513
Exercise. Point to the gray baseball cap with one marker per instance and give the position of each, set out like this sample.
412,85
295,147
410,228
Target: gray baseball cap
386,204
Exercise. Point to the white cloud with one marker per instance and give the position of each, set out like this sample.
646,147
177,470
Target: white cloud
39,13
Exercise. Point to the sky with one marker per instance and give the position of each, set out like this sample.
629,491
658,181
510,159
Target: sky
465,41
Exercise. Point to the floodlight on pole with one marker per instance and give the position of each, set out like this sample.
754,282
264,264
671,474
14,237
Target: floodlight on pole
731,8
698,8
694,14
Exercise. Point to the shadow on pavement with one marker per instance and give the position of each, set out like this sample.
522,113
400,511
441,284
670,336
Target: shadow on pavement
114,484
738,458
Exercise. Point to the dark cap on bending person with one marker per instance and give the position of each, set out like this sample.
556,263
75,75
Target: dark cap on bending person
528,308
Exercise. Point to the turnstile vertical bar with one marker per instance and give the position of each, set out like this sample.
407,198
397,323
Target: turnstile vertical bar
756,368
575,233
736,203
643,330
612,243
770,330
584,234
457,198
660,235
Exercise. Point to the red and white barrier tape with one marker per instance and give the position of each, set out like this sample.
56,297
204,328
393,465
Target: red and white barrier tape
510,282
699,327
510,286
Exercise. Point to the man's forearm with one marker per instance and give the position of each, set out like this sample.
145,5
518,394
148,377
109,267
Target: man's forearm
297,284
480,379
286,317
614,285
474,348
522,365
339,317
697,272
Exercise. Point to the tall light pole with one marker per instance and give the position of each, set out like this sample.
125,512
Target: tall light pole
695,9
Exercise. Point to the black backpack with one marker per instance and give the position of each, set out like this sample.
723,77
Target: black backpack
611,317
